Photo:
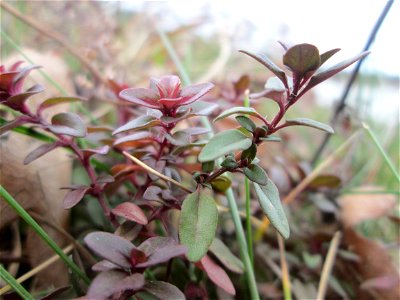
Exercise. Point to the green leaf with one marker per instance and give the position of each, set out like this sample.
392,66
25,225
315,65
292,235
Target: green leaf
271,138
221,184
324,75
139,123
57,100
246,123
198,224
236,110
302,58
249,153
256,174
224,142
310,123
268,196
330,181
68,124
208,166
261,58
229,163
226,257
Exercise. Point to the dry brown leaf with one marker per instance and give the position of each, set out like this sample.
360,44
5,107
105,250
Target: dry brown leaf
37,186
375,262
356,208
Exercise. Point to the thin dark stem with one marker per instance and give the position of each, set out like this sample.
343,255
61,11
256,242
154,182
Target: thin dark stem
342,102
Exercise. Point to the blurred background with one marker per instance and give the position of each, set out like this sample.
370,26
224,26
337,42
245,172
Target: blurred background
125,41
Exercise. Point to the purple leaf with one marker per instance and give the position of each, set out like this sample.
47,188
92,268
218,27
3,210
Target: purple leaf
195,130
132,283
159,250
324,75
167,86
327,55
68,124
103,150
73,197
202,108
139,123
141,96
194,92
104,265
130,211
103,286
270,65
19,99
105,178
40,151
55,101
163,290
302,58
217,274
133,137
111,247
11,125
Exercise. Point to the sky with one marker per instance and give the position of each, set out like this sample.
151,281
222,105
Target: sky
327,24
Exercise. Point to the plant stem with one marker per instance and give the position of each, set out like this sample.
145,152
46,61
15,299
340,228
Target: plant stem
229,193
39,230
7,277
287,293
246,103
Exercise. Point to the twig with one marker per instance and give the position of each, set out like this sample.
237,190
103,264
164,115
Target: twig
327,268
56,37
287,290
342,102
37,269
154,172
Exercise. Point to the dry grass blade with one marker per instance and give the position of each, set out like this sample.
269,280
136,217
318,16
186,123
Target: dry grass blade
328,265
285,271
37,269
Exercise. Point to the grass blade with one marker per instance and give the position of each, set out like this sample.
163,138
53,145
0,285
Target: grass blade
39,230
382,151
7,277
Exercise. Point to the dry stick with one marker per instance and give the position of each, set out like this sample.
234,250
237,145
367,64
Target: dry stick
56,37
327,268
285,271
256,222
342,102
37,269
310,177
